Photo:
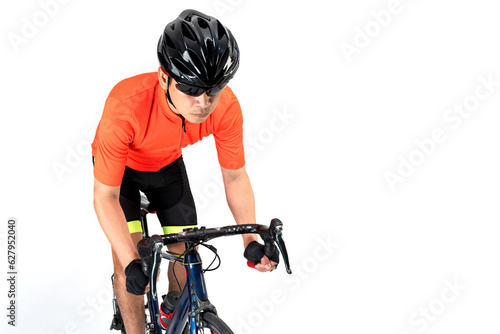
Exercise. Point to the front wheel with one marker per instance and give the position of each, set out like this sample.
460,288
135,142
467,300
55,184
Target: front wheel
211,323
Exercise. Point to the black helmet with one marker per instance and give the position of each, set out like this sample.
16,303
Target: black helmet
196,49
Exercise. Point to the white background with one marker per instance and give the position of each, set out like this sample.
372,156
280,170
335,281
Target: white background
320,168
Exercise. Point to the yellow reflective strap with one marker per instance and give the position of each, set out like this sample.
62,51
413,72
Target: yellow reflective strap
134,226
175,229
177,255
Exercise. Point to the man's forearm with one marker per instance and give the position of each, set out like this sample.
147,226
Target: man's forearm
240,198
114,225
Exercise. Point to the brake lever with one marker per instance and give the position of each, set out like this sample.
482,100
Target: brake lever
276,233
282,248
267,236
155,266
149,252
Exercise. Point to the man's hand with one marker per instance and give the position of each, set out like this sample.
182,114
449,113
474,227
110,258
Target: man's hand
254,253
266,265
136,280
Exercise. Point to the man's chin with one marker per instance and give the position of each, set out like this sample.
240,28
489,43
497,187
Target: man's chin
198,118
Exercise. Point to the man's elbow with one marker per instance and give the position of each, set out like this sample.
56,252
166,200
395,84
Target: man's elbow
231,175
104,193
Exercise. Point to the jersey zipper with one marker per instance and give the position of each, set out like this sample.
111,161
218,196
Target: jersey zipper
183,130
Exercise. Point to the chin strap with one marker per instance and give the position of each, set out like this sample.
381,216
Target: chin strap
168,94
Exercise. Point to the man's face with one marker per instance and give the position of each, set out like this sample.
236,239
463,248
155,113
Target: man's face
195,109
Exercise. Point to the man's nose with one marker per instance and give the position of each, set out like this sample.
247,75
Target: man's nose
202,100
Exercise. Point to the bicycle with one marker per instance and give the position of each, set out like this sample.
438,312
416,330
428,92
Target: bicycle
193,312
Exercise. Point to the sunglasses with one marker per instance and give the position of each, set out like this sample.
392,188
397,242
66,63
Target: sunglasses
197,91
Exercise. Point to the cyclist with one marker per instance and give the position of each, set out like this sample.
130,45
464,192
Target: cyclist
147,120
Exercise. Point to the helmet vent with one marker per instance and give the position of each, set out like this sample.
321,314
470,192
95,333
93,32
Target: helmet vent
169,42
197,62
210,48
202,23
187,32
221,30
180,66
225,61
188,16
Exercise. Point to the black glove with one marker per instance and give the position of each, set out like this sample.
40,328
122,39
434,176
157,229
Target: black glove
255,252
135,278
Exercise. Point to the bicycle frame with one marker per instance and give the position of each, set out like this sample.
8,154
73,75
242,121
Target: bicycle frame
193,301
153,304
193,298
193,304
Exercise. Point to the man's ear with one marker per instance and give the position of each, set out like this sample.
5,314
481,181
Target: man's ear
162,78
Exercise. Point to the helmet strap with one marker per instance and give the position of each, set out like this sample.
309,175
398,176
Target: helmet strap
168,94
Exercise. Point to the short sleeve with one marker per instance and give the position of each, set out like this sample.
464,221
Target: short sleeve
113,137
229,138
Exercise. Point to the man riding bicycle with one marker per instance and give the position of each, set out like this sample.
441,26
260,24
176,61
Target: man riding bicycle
147,120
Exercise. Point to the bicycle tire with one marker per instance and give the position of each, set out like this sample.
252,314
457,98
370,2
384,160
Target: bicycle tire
213,324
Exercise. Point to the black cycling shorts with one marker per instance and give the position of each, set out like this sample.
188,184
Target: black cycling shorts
169,195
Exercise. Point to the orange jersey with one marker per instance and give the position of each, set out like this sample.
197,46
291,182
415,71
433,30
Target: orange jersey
139,130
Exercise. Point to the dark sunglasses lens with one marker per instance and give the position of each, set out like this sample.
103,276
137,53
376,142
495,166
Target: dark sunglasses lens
216,90
189,90
197,91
